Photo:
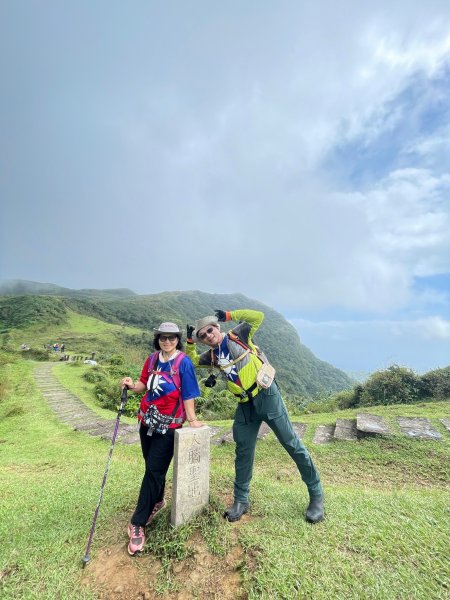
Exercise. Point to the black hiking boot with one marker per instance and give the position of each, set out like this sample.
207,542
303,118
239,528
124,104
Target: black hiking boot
315,511
236,510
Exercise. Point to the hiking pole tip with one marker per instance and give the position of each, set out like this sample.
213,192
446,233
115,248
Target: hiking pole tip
86,560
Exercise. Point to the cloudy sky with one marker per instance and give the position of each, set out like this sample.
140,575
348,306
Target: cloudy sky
298,153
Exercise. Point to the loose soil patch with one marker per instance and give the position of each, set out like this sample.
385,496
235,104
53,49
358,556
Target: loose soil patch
114,574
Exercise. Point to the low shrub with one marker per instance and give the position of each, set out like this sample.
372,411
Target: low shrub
108,393
215,403
349,398
7,358
116,360
436,384
322,407
94,375
36,354
394,385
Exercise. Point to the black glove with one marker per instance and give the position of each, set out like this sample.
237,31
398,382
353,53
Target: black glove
189,331
221,315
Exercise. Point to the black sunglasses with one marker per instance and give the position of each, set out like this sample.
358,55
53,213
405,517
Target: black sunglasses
203,335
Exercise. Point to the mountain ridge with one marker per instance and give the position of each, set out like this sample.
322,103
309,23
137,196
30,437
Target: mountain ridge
299,371
23,287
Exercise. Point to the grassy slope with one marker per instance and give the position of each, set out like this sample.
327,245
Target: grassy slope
80,333
385,535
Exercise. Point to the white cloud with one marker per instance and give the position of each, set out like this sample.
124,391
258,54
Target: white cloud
433,328
222,136
431,149
369,345
428,51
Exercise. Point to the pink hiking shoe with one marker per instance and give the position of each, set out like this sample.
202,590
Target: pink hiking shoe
137,539
158,506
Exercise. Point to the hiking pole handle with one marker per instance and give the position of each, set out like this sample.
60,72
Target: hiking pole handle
124,396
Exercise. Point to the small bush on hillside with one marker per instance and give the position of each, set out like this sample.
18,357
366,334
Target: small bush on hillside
117,360
108,394
107,384
436,384
37,354
7,358
395,385
349,398
295,405
318,403
94,375
216,402
322,407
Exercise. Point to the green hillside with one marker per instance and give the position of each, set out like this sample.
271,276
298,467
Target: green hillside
125,324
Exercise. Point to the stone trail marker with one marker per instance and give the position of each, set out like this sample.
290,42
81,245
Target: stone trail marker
324,434
299,429
371,424
228,438
213,430
346,430
445,423
190,489
263,432
418,427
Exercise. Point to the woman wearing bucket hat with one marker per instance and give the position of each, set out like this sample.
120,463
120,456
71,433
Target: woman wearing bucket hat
251,380
170,386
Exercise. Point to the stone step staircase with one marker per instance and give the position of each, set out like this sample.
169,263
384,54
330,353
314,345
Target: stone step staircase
72,411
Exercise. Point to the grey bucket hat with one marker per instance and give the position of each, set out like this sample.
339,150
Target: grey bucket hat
200,323
167,328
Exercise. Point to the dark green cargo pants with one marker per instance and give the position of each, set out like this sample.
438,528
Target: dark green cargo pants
268,406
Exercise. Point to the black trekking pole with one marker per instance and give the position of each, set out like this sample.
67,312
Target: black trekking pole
123,401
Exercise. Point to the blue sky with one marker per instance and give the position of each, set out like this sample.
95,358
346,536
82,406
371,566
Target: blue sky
297,154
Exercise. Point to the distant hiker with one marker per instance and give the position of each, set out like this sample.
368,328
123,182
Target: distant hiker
250,379
62,347
170,386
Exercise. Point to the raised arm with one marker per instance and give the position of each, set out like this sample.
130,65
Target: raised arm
253,317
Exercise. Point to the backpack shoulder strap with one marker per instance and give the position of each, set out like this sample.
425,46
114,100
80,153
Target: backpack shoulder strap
153,358
175,371
235,338
257,352
175,374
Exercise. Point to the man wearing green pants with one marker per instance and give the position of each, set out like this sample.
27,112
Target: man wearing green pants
237,358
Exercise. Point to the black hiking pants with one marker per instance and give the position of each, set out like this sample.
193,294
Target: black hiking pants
157,451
